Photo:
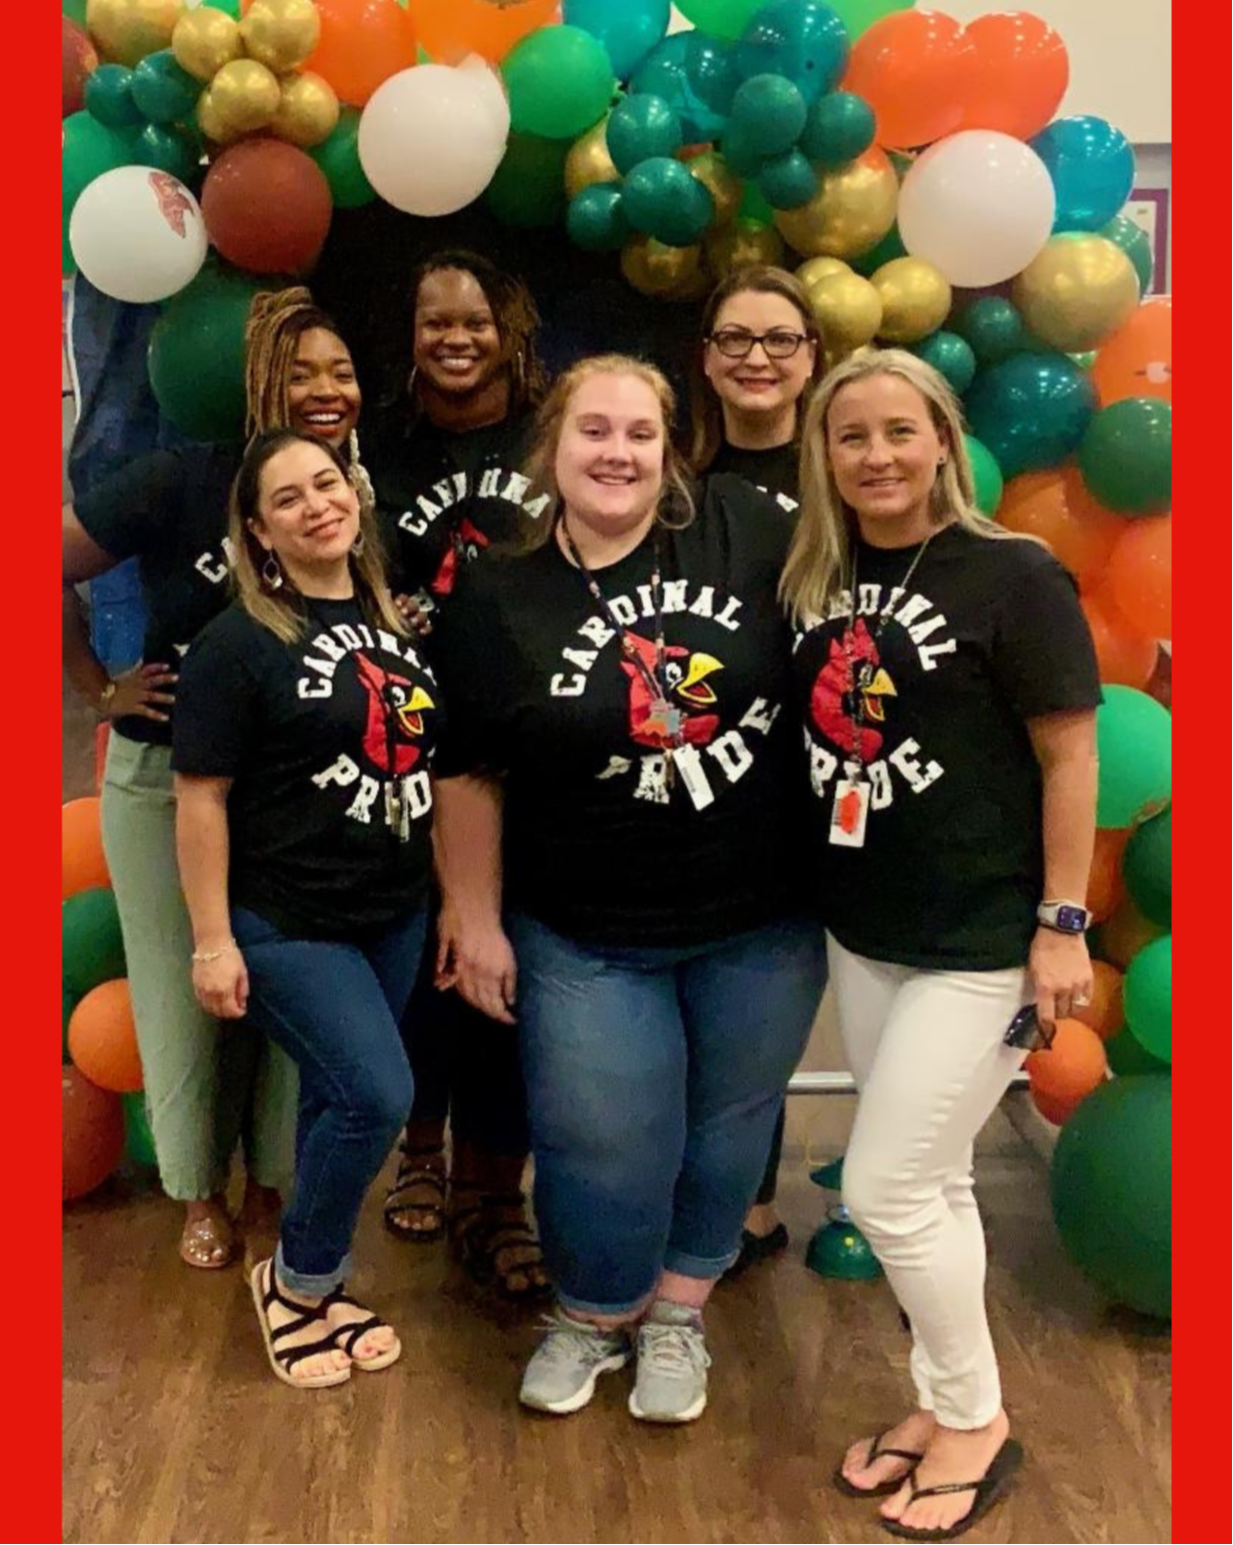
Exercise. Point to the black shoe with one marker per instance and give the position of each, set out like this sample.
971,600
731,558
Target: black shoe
756,1248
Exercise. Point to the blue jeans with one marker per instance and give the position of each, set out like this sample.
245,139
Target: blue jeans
334,1008
654,1081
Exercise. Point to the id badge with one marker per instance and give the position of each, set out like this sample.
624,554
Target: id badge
662,719
849,813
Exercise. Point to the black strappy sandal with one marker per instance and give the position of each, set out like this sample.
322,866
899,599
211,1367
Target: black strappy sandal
420,1170
884,1488
989,1489
480,1236
346,1336
266,1293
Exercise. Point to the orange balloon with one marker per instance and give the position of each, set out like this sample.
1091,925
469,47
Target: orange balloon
103,1039
92,1133
1056,1111
1055,506
1072,1067
82,864
363,42
912,67
1137,360
1139,576
1106,890
1124,934
1104,1014
1125,656
1019,76
448,30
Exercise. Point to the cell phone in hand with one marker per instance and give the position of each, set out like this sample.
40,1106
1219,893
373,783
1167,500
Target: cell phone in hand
1026,1033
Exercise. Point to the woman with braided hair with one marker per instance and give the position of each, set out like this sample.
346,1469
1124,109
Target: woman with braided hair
206,1089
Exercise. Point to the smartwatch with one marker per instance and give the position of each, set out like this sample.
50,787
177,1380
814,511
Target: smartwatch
1064,916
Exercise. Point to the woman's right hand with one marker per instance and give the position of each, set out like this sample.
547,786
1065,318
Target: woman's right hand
138,693
221,985
483,969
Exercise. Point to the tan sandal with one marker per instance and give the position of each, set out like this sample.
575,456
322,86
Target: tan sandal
283,1359
347,1336
208,1243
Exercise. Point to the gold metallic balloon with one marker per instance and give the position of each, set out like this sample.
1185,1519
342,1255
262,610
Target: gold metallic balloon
851,211
280,33
308,110
245,95
848,311
713,172
210,121
813,269
915,299
127,30
204,40
1076,291
667,273
588,161
742,244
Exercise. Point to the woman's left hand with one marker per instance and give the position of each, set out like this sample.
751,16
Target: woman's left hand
1061,973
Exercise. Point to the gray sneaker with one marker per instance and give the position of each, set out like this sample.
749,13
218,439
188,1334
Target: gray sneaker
561,1376
672,1364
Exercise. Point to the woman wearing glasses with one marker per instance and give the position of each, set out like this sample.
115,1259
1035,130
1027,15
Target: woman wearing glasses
760,358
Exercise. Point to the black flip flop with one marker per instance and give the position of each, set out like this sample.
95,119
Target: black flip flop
989,1489
883,1488
756,1248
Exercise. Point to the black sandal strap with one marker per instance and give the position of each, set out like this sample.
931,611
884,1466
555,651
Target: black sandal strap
876,1453
348,1335
948,1489
289,1356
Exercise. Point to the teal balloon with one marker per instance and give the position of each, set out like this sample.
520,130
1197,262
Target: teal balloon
596,219
993,328
1134,241
1134,740
660,198
1148,997
1111,1182
712,70
1127,1056
804,42
628,31
642,126
1147,868
559,81
739,148
670,71
528,188
1092,168
109,97
90,149
138,1138
1031,410
162,90
770,113
986,474
951,356
196,354
788,181
170,150
883,251
338,157
840,127
92,944
1126,456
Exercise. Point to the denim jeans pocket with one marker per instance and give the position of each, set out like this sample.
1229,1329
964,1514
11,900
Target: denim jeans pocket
251,929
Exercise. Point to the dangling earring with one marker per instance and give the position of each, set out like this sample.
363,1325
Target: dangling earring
271,572
520,375
415,370
357,547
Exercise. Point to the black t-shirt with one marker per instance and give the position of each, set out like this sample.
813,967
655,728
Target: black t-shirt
988,635
308,732
775,471
169,511
597,845
443,498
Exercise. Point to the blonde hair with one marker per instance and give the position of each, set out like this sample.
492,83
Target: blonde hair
540,465
820,556
281,609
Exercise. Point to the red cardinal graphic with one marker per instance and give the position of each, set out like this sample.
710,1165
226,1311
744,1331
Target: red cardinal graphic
392,700
173,201
466,544
685,673
831,699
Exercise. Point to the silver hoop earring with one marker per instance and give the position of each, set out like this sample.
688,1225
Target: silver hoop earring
271,572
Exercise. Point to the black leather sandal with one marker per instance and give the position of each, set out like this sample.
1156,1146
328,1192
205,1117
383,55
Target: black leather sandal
419,1186
485,1236
883,1488
283,1359
991,1487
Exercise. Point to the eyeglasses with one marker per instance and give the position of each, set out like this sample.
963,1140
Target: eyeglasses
736,343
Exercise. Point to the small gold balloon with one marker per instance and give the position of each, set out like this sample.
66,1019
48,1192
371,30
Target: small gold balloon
915,299
667,273
127,30
1076,291
204,40
210,121
280,33
588,161
740,245
813,269
852,210
847,309
245,96
307,111
713,172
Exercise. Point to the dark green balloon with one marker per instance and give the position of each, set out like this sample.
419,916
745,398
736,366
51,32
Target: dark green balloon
196,354
739,148
90,149
887,248
641,126
528,189
1031,410
1126,456
993,328
788,181
108,97
596,221
170,150
660,198
92,943
138,1138
339,158
1147,867
839,1250
1127,1056
75,10
770,112
950,355
1136,244
1112,1173
162,90
840,127
1148,996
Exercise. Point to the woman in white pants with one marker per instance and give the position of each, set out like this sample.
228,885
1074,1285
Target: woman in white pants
948,687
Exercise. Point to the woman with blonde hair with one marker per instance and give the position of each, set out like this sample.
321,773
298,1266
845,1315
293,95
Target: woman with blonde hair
947,686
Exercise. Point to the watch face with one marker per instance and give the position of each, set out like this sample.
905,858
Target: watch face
1072,919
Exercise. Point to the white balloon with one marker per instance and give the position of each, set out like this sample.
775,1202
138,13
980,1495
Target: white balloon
978,205
492,88
137,234
430,139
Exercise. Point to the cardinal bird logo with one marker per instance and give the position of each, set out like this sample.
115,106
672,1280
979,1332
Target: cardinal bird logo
833,695
466,544
173,202
393,702
688,690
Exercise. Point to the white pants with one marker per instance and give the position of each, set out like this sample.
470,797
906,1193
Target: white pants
926,1050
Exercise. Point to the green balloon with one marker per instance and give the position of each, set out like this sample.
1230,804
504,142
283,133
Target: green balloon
888,247
196,354
740,150
1134,737
986,474
723,19
788,181
1149,997
1147,867
138,1138
108,96
1112,1176
1136,244
660,198
770,112
528,189
640,126
754,206
339,158
596,221
162,90
170,150
1085,360
75,10
559,81
859,15
951,356
840,127
1127,1056
1126,456
993,328
228,7
92,943
90,149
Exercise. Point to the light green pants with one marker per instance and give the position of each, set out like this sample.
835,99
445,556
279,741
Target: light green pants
208,1085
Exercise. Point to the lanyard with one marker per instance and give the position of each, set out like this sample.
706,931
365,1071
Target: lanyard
860,680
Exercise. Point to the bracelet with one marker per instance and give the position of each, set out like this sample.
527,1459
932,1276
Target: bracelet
204,957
